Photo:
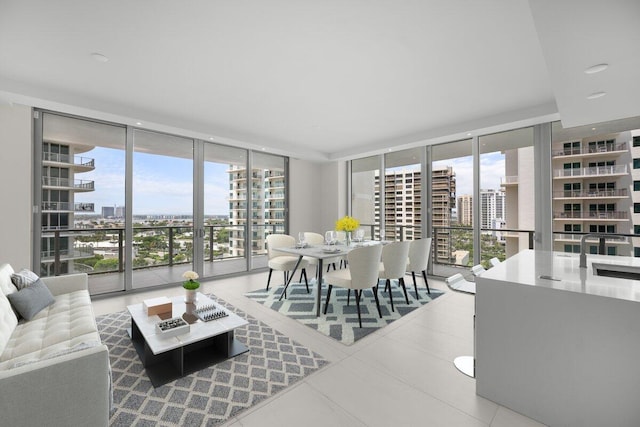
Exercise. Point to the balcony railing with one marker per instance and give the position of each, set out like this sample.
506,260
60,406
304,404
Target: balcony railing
509,180
575,237
591,171
77,184
591,215
590,150
66,158
101,250
618,192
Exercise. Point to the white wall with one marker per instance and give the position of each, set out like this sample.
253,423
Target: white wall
15,185
317,195
304,199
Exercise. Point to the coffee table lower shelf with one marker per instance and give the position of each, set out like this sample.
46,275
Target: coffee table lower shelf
173,364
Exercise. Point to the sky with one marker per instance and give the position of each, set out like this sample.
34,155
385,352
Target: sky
492,169
163,185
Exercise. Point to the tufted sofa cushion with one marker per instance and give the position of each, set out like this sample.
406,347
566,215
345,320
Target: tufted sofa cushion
62,326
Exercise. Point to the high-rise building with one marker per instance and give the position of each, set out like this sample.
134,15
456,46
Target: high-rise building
402,212
402,207
596,189
492,207
465,209
60,165
268,206
443,200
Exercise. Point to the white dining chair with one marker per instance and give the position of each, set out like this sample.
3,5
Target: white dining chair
478,269
458,283
419,251
281,262
494,261
393,266
361,274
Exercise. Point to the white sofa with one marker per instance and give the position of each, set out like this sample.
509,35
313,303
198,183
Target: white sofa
54,370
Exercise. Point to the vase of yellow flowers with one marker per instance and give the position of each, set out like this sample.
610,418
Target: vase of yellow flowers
191,286
347,224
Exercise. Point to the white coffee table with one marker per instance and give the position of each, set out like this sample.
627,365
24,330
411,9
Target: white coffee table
168,358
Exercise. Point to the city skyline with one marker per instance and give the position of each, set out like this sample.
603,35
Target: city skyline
162,185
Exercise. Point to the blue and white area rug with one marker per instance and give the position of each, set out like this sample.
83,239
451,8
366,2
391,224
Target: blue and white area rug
341,320
208,397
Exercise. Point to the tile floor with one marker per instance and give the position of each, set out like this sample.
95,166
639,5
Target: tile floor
401,375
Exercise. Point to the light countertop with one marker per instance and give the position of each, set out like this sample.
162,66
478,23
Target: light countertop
561,271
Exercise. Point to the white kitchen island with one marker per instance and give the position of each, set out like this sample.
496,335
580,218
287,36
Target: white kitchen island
557,343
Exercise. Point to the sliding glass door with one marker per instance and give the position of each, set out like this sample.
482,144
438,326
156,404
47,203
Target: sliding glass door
81,195
135,208
507,190
267,197
451,186
162,210
224,225
365,194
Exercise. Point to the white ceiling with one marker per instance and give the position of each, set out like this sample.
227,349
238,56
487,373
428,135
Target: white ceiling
326,79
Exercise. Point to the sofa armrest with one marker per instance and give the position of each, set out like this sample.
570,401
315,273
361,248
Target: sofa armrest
59,285
70,390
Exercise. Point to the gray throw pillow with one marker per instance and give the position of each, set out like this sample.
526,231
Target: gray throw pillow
31,300
24,278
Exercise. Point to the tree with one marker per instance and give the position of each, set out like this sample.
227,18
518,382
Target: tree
222,236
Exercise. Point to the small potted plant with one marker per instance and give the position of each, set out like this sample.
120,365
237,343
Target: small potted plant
190,285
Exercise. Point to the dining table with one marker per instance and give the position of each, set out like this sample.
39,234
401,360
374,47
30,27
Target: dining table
320,252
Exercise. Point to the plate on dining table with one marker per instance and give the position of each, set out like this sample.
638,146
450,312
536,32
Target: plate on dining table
330,250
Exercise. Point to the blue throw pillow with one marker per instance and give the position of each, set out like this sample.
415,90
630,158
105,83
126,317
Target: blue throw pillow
31,300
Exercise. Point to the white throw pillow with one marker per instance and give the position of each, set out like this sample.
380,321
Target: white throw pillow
24,278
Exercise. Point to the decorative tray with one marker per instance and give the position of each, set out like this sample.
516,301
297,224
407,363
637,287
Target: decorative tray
172,327
207,313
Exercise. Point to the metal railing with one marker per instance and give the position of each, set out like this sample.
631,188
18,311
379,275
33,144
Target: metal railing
78,184
618,192
66,158
593,215
509,180
591,171
590,150
101,250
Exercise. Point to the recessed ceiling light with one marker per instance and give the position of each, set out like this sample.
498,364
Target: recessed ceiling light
139,123
593,128
264,149
211,138
99,57
596,68
596,95
469,134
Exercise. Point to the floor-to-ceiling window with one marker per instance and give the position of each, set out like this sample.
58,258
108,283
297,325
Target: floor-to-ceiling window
268,195
193,204
451,201
226,186
365,194
507,190
81,198
162,207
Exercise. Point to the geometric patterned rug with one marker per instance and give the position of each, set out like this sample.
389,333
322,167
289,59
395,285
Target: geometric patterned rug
210,396
341,320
